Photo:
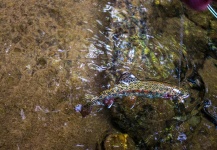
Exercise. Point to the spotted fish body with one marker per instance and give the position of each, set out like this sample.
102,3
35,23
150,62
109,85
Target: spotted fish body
147,89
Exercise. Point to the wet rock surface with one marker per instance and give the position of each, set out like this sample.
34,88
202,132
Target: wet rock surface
116,141
161,123
154,122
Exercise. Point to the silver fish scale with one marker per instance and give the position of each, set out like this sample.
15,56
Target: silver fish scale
148,89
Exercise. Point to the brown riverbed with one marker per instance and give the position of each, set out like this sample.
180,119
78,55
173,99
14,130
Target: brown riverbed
44,74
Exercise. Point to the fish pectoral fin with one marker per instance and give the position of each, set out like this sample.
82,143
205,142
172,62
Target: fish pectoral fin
109,102
133,99
133,105
110,105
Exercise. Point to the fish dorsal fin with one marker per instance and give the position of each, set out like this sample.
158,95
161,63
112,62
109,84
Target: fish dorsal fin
127,78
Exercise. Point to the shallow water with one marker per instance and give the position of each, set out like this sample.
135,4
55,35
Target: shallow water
55,54
44,74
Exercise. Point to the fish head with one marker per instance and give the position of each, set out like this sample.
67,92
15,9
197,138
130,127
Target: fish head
183,95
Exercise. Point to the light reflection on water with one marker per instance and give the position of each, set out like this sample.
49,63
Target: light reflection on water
134,47
137,44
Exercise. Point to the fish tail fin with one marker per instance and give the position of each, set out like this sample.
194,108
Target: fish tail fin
86,109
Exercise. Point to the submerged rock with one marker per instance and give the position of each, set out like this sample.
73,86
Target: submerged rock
119,141
154,40
114,140
153,123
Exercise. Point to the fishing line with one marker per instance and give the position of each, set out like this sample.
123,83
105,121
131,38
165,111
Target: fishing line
181,45
212,11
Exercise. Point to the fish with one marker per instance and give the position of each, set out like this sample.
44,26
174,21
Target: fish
130,86
198,5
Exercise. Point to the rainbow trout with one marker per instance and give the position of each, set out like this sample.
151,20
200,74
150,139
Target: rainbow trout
130,86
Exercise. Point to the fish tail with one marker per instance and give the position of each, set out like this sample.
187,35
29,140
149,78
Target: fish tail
86,109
